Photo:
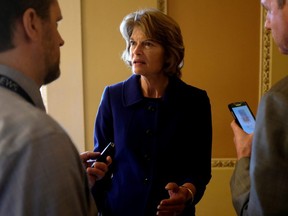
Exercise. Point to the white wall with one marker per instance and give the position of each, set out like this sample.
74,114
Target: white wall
65,96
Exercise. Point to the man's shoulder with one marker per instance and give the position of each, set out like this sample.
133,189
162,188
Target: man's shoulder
25,121
280,86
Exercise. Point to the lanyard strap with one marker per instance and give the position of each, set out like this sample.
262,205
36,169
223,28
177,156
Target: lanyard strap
13,86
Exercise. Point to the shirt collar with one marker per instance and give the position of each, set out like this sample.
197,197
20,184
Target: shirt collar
132,92
29,86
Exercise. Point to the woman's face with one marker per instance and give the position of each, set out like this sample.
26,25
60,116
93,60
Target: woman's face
147,56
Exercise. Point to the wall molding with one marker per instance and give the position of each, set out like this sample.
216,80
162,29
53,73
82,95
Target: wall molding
223,162
265,58
162,5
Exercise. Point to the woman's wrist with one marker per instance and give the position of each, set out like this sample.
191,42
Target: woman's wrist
190,196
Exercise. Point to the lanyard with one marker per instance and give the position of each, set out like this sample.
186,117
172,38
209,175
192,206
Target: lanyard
13,86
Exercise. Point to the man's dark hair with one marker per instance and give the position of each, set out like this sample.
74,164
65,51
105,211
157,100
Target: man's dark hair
13,10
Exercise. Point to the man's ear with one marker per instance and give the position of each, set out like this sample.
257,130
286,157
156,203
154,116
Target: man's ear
32,24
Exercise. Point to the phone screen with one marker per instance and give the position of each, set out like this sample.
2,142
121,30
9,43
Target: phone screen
244,117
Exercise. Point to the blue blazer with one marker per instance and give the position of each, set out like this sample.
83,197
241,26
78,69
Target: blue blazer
157,141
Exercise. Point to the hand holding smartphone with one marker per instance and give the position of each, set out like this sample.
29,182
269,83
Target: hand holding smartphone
106,152
243,116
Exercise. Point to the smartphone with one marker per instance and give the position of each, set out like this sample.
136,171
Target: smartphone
108,151
243,116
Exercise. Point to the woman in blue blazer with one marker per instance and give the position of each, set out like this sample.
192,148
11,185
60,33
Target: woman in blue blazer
160,125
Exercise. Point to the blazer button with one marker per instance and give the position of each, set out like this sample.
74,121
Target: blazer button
146,156
149,132
151,108
146,180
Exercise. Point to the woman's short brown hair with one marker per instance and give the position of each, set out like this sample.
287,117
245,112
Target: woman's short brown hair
161,28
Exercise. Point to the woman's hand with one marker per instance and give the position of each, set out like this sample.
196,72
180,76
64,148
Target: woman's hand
175,205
